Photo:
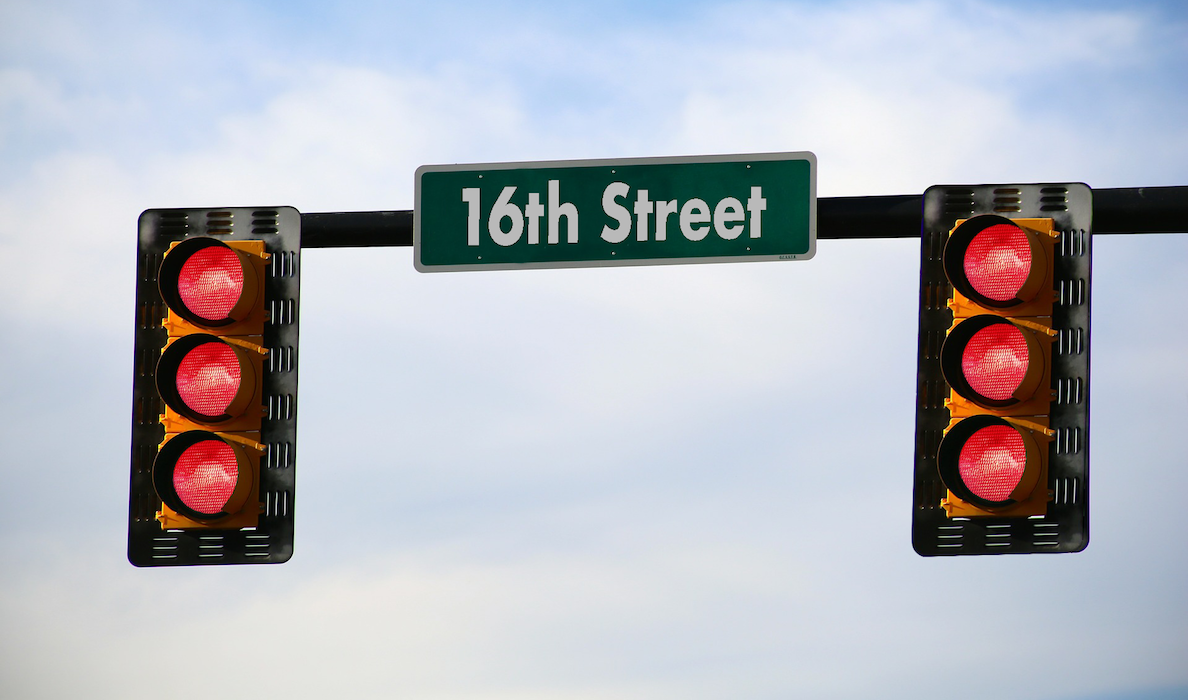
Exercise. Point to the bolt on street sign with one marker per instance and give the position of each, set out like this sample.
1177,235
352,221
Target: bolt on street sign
596,213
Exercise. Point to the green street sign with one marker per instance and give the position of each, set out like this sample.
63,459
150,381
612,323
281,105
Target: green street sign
635,211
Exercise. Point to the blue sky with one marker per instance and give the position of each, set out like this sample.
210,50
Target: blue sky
688,481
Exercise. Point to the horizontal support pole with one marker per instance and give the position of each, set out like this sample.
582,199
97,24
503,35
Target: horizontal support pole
1140,210
357,229
1120,210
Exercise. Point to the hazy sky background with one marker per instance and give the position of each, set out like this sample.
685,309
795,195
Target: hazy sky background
656,482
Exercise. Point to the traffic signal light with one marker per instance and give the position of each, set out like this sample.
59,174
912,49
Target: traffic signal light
1002,407
214,387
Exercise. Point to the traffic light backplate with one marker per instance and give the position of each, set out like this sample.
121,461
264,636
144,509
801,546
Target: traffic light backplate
1002,404
214,418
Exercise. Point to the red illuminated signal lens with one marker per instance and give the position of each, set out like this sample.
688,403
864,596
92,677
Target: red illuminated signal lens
210,282
992,462
205,476
995,361
208,378
998,261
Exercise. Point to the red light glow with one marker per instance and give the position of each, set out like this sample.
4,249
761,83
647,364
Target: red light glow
992,462
205,476
208,378
210,282
995,361
998,261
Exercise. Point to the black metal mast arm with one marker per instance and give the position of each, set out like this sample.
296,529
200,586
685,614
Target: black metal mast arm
1120,210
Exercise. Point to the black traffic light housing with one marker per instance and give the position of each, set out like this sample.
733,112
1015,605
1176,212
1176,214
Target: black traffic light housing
214,419
1002,404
